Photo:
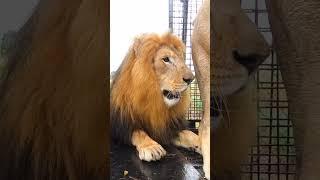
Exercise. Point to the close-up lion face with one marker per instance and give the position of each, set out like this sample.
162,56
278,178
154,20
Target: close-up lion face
173,74
238,47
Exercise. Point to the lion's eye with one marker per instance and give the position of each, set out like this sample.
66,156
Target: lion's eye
166,59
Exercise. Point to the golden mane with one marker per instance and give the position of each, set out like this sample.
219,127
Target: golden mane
53,118
136,99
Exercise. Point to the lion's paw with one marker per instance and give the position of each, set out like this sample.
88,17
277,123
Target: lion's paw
151,152
189,140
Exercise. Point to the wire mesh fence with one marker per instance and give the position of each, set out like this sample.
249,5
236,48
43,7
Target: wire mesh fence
273,155
181,16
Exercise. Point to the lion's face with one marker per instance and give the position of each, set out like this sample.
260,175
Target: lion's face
174,75
238,48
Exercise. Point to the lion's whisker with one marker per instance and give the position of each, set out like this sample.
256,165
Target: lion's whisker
224,104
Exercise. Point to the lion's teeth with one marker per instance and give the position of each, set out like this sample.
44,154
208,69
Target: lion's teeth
172,95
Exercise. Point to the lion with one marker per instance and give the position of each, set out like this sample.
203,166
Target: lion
225,71
53,98
149,97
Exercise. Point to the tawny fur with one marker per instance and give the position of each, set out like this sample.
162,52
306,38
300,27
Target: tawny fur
136,98
53,118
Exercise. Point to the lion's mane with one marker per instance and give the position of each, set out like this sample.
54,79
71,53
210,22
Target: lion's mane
53,118
136,98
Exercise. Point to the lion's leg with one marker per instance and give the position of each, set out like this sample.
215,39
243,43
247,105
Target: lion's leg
148,149
202,67
204,134
189,140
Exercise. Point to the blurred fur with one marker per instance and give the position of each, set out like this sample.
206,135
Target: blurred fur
53,96
231,81
136,98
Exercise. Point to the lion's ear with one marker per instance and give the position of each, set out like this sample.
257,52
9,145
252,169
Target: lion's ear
136,45
138,41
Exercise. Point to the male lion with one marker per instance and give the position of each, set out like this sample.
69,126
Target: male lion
53,118
149,97
236,52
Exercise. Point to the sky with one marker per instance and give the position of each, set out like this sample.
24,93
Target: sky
130,18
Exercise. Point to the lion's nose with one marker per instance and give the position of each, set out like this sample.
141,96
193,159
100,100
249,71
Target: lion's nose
250,62
188,78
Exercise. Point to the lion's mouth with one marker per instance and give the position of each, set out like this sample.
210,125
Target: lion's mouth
171,95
